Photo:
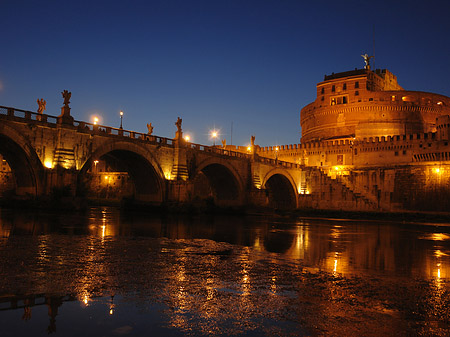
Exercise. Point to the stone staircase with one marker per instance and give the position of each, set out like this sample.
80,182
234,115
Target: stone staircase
369,198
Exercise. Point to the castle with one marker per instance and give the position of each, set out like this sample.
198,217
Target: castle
379,141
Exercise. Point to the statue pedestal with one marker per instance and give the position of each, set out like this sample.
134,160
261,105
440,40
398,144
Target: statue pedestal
65,117
179,168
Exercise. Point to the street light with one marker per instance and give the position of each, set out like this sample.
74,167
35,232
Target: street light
121,117
187,138
214,135
95,120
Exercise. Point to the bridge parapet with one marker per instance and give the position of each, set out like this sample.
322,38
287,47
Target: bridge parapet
19,114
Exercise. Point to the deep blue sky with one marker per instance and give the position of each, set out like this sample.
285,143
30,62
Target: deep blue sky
213,63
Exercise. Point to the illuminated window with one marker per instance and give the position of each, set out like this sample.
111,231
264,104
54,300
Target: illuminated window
339,100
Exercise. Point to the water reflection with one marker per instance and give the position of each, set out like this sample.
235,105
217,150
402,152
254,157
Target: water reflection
210,271
333,246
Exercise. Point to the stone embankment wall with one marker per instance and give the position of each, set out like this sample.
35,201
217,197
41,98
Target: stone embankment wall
415,187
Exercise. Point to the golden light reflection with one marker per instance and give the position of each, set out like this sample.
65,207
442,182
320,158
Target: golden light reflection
439,237
210,293
245,276
273,285
438,253
86,300
112,306
258,244
300,245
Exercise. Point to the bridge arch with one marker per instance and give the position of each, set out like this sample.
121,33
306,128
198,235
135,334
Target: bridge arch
281,188
221,179
137,161
23,160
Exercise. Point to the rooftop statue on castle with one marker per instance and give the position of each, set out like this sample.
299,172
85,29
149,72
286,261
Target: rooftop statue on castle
66,95
41,105
367,61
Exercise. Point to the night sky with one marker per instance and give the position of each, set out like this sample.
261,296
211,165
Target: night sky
250,64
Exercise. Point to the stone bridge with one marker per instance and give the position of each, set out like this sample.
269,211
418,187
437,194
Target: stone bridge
48,153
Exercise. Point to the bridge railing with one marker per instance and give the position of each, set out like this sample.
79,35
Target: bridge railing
218,150
28,115
277,162
108,130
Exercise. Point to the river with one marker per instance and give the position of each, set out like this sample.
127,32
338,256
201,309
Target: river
109,273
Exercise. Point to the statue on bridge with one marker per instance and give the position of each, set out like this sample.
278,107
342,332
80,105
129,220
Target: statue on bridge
179,133
41,105
66,95
178,124
224,143
150,129
252,140
65,117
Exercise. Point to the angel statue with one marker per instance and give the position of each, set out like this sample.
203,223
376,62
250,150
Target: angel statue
41,105
66,95
224,143
149,128
367,61
178,124
253,140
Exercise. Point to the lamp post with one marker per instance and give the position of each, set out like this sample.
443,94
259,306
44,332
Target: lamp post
121,117
214,136
95,120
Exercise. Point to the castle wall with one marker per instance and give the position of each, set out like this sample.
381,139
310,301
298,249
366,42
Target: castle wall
383,113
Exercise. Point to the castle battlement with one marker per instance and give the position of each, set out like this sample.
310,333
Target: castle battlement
383,150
